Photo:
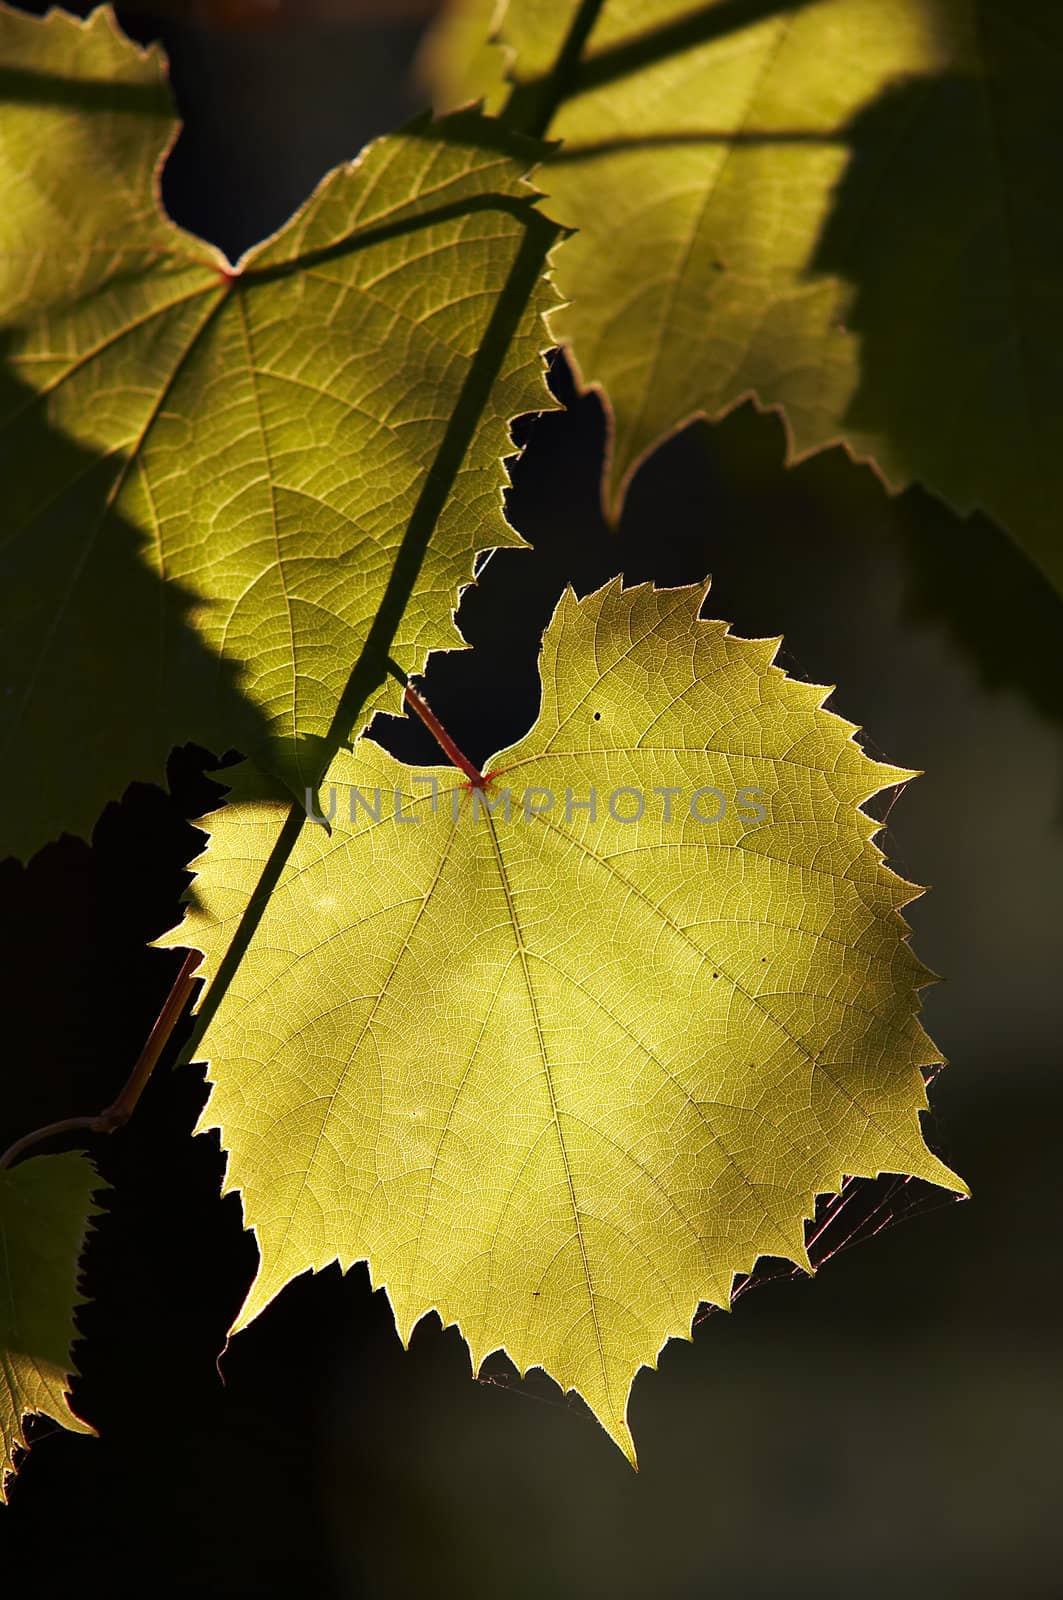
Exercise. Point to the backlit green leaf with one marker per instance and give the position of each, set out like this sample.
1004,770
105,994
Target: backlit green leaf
229,489
460,63
561,1076
846,208
45,1206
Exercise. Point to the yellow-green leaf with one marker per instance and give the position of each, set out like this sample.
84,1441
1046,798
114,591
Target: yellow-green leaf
225,489
845,208
561,1077
45,1207
460,63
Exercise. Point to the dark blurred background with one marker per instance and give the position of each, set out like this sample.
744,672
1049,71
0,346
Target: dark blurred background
890,1426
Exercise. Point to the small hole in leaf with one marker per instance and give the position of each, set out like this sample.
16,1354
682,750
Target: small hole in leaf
597,716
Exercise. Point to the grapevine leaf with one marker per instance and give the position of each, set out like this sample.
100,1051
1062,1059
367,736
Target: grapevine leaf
45,1207
226,488
561,1077
460,63
843,208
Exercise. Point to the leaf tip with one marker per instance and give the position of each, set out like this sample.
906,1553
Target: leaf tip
622,1437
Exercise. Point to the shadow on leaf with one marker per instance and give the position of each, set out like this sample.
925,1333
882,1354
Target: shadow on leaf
97,658
953,249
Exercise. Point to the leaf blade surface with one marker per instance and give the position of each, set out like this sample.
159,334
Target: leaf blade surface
229,487
843,209
560,1077
45,1209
